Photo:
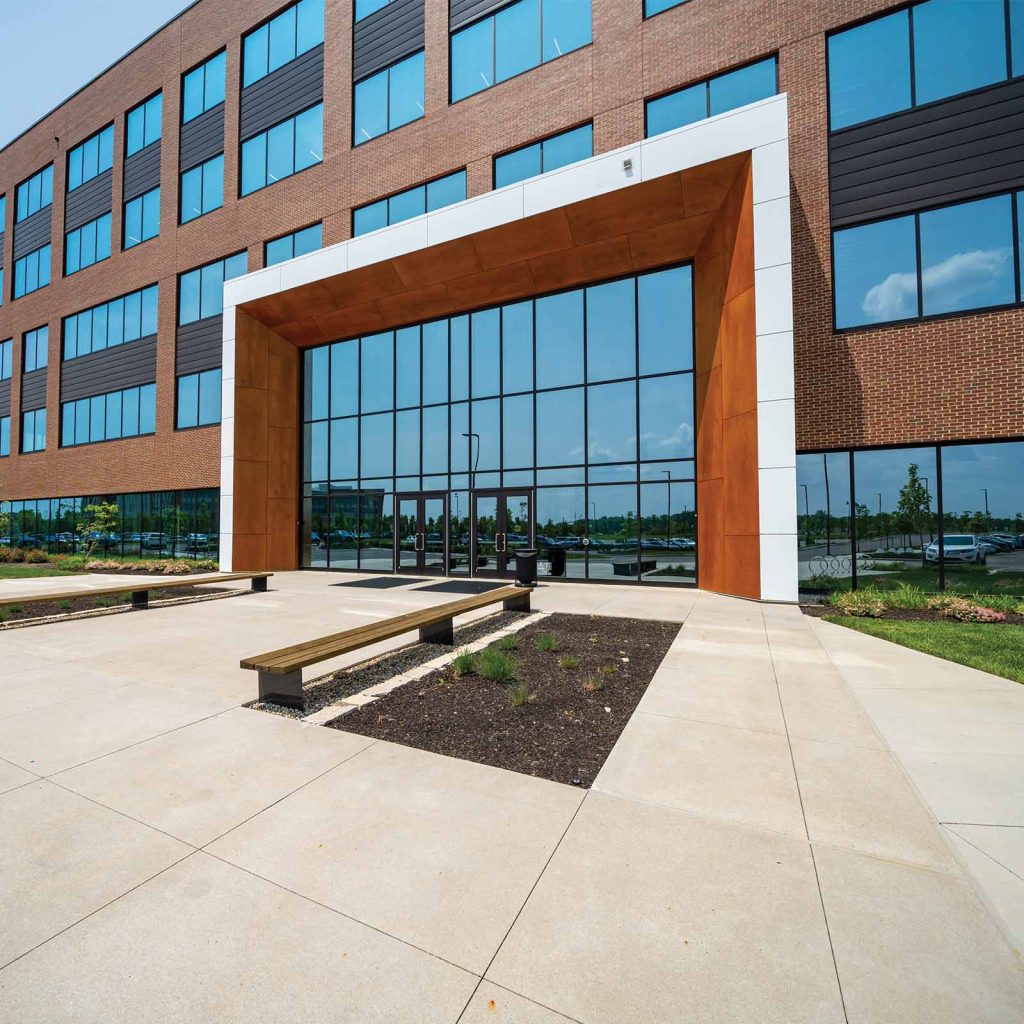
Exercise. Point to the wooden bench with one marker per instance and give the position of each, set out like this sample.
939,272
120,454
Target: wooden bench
280,672
140,591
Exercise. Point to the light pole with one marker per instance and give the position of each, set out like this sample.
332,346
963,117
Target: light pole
878,495
668,506
472,473
984,491
807,515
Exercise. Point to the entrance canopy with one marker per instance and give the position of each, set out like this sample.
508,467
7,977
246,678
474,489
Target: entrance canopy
715,193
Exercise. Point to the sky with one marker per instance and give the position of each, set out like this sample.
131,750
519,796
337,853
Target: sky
53,47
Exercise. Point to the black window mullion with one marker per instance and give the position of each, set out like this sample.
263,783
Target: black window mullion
852,515
913,57
1016,226
920,269
940,512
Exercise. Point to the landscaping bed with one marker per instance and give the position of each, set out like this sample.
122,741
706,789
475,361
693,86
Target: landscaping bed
549,701
824,611
32,610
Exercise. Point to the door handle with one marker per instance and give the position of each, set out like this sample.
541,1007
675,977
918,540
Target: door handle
420,541
504,543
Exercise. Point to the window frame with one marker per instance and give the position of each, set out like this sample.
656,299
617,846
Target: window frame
202,189
647,17
198,376
291,235
265,23
914,105
39,263
540,142
1016,226
105,395
41,174
64,358
196,67
401,192
265,134
80,147
144,106
33,333
199,270
387,97
109,215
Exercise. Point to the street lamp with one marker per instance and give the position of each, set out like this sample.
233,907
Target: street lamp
807,515
472,476
984,491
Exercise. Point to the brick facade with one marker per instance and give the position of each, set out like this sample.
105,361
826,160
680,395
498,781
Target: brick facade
867,387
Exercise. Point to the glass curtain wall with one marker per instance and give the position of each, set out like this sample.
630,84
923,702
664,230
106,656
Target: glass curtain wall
583,399
948,517
164,524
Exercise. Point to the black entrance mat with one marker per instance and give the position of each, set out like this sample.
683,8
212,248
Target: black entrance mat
462,587
380,582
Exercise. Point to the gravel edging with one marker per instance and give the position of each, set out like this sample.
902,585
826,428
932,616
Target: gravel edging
95,613
336,687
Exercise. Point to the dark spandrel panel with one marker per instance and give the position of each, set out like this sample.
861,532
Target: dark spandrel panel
960,148
5,397
200,345
2,243
461,12
33,390
202,138
88,201
283,93
109,370
142,171
33,232
386,36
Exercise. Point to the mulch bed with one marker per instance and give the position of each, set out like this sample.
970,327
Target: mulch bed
44,609
819,611
564,733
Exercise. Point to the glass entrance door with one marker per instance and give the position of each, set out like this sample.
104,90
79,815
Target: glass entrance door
421,533
503,524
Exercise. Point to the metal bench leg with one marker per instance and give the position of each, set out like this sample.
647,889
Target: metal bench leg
140,599
439,633
520,603
259,583
285,690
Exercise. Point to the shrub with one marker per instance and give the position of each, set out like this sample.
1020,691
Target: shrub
521,695
568,661
3,614
862,603
547,642
12,554
36,556
608,670
509,643
464,663
496,665
962,610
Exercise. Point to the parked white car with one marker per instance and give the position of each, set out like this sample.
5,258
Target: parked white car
957,547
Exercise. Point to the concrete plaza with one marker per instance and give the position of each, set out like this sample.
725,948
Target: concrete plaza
799,824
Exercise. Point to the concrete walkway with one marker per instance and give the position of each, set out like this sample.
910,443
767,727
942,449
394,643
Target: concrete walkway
753,850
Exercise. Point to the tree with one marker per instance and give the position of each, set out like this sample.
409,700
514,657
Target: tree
913,510
99,522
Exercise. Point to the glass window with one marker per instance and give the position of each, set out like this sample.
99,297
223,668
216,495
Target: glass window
201,291
344,450
486,348
33,431
967,256
560,428
712,96
299,243
202,189
5,436
6,356
665,303
35,194
435,362
611,423
144,124
745,85
472,59
87,245
869,70
199,398
344,396
896,509
435,439
666,417
875,270
959,45
377,372
517,39
559,326
389,99
32,272
823,520
546,155
517,434
90,158
459,365
411,203
652,7
203,88
317,384
517,347
407,366
566,27
1017,37
142,218
288,35
611,330
366,7
35,345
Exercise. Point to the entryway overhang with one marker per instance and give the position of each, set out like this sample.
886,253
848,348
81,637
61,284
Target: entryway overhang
716,192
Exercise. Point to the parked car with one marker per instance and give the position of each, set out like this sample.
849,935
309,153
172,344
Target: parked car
153,541
1001,543
957,547
682,544
988,547
1016,540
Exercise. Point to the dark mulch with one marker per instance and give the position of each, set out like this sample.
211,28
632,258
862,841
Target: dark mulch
819,611
43,609
564,734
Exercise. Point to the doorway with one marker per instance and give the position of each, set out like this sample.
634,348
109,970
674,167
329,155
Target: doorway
503,521
421,533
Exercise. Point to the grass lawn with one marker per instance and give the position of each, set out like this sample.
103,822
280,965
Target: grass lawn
991,648
22,571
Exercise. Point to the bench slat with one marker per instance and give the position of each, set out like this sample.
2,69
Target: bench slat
299,656
122,588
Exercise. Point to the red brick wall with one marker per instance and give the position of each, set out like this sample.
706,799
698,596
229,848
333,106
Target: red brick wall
870,387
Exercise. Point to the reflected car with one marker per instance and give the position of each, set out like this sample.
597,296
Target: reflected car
1015,540
682,544
999,543
957,547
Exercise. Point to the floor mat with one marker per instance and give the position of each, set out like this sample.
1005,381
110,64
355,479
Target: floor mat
462,587
380,582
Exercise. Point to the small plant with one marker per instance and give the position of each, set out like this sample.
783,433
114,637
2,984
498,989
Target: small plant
962,610
547,642
568,661
608,670
861,603
3,614
496,665
593,683
509,643
521,695
464,664
64,606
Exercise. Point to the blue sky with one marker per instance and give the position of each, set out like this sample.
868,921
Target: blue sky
53,47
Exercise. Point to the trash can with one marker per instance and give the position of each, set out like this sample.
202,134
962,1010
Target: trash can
526,567
557,557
